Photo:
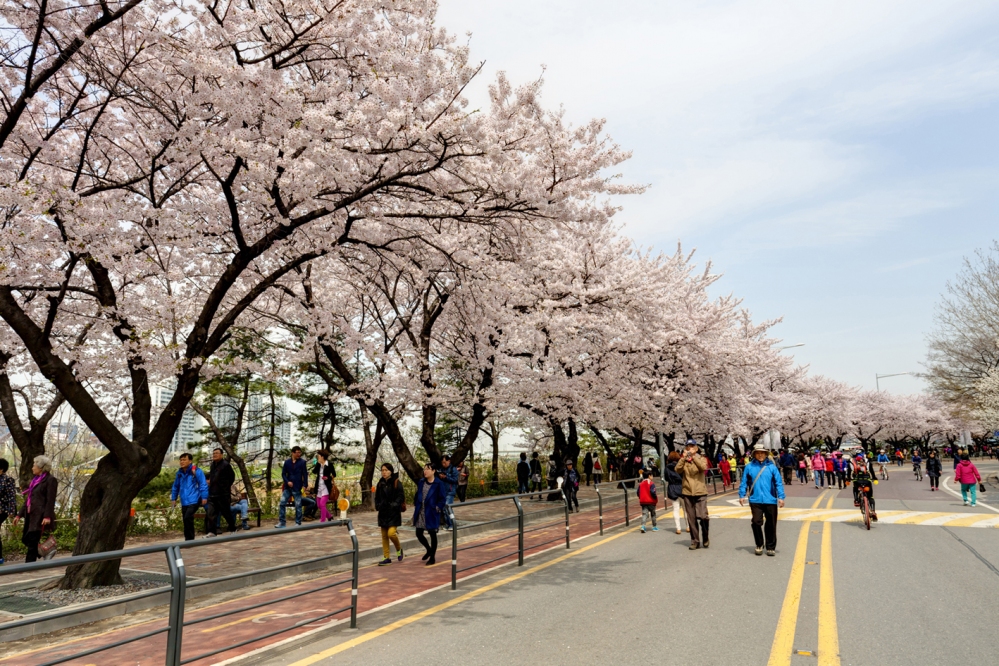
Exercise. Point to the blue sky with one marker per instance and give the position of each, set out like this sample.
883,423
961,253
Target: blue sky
834,160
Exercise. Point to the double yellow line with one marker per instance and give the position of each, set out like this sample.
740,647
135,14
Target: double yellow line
828,647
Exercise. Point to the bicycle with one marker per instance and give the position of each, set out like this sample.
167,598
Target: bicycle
918,471
866,510
883,471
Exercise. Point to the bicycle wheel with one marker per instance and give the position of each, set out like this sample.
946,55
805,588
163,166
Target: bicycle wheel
867,511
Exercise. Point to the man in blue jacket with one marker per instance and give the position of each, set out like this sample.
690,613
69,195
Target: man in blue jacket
766,494
191,488
295,476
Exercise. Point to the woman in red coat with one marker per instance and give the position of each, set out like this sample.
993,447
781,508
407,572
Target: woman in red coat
726,470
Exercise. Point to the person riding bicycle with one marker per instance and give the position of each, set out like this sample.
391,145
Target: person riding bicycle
917,462
863,482
883,460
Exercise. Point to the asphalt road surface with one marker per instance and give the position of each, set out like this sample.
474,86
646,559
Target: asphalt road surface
921,587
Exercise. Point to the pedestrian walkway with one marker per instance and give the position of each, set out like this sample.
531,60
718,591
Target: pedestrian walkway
378,587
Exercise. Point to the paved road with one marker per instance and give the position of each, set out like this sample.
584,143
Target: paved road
907,593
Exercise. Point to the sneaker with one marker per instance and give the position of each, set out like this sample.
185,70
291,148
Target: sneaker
210,535
706,543
965,502
679,532
643,530
974,504
387,560
771,553
655,529
400,556
759,550
279,526
246,525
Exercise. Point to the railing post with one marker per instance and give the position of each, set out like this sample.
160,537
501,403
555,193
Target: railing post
565,498
520,532
714,482
627,518
600,510
454,549
178,584
353,582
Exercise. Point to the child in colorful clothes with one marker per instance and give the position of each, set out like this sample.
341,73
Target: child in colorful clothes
648,498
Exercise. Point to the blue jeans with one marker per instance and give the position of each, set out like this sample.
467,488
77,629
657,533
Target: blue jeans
243,507
819,474
286,494
445,515
522,487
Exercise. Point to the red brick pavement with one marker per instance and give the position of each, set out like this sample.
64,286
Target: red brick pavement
378,586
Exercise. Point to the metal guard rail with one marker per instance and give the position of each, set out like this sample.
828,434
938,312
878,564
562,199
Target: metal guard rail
178,588
455,527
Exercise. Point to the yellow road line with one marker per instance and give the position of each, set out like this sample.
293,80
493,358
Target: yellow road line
381,631
235,622
828,630
787,623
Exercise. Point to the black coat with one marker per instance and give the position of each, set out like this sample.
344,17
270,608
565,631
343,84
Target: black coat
43,499
933,466
523,471
220,480
326,473
389,498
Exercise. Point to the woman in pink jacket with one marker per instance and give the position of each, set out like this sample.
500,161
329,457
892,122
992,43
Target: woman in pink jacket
818,468
967,475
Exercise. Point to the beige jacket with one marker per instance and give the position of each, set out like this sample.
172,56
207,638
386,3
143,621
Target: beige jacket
693,475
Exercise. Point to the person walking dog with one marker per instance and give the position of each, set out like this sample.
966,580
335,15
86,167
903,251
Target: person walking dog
762,483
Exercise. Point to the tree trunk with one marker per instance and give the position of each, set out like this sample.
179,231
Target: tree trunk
371,447
33,444
494,434
559,443
104,509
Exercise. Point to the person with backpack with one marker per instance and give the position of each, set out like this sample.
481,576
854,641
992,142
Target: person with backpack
762,483
598,471
523,474
648,499
674,487
390,502
191,488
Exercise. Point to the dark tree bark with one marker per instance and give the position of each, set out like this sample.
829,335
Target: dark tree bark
30,441
371,447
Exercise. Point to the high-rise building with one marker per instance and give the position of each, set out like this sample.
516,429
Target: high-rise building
190,423
258,426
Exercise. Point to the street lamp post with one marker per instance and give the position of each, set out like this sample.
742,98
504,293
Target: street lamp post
878,378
